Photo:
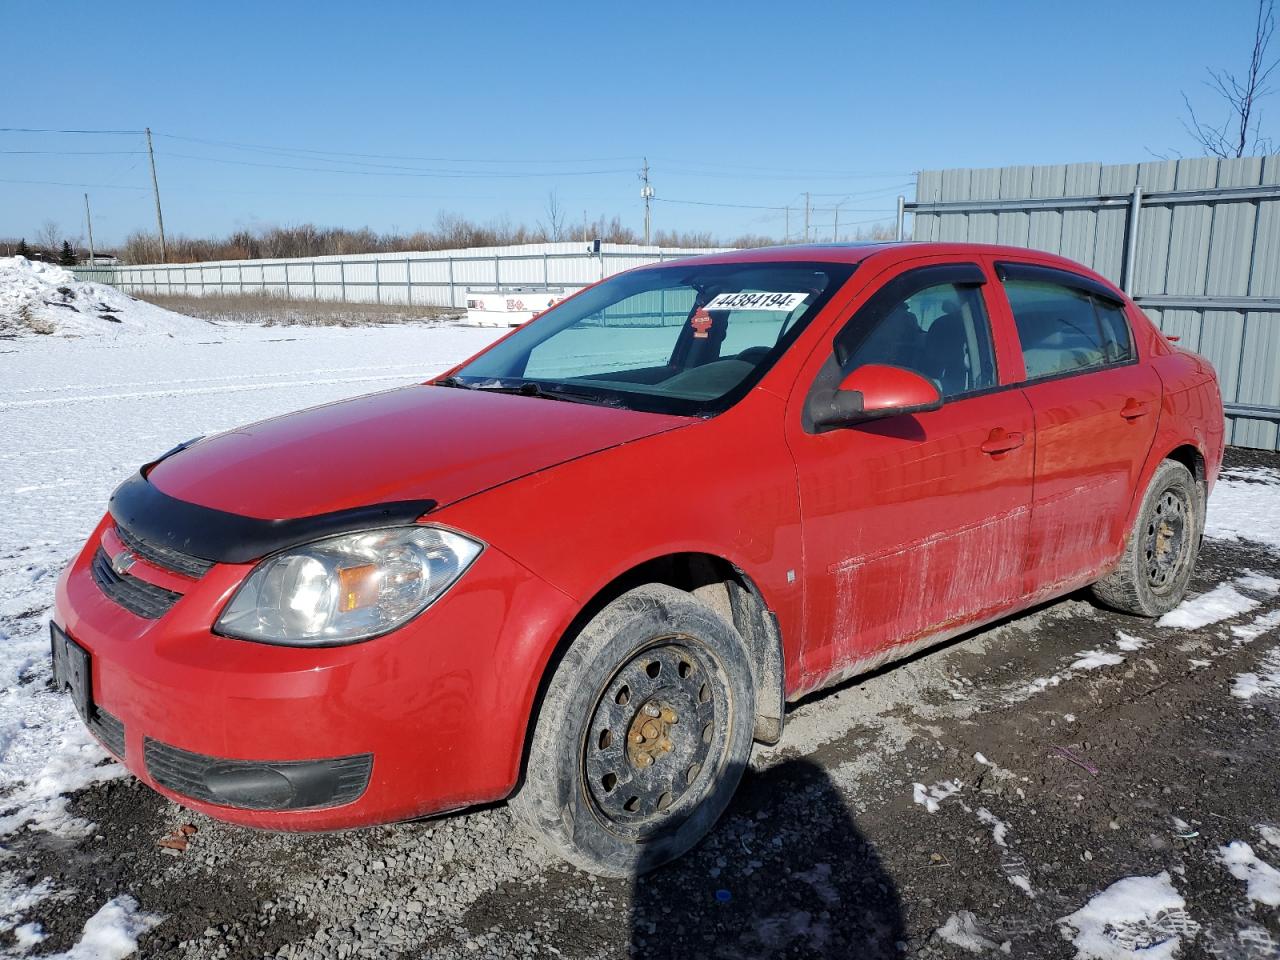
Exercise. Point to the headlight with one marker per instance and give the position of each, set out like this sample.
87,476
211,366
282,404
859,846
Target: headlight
347,588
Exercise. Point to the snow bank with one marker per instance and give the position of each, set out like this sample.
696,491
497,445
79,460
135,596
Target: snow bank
1136,916
40,298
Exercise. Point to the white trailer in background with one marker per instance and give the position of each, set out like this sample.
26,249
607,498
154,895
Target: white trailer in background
509,306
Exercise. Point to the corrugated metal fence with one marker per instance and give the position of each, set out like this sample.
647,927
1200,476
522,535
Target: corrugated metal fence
430,278
1195,242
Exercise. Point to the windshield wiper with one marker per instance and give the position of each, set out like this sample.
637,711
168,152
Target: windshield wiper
451,382
528,388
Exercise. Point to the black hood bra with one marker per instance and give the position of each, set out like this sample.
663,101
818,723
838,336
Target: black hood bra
153,516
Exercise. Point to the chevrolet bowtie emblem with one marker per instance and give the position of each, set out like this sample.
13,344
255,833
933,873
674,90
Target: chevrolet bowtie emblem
122,561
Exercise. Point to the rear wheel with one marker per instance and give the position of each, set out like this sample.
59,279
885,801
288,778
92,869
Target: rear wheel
1160,555
643,734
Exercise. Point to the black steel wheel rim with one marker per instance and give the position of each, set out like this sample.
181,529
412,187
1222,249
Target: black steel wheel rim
1165,540
657,737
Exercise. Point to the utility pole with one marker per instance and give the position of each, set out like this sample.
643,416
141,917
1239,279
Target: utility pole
835,227
155,186
806,216
786,227
88,219
647,193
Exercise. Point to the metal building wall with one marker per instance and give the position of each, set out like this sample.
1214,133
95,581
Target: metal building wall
429,278
1204,239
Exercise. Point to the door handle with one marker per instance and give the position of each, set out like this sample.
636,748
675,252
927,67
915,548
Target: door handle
1001,441
1133,409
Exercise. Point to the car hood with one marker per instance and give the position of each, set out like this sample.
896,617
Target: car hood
417,442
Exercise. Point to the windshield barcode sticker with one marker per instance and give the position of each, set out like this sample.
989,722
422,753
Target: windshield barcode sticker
757,301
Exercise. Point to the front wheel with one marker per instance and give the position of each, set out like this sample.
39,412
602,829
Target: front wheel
643,734
1161,552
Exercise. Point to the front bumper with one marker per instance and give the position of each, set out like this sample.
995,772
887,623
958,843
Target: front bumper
429,718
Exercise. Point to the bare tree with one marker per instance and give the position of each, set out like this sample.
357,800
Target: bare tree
555,218
1240,129
48,236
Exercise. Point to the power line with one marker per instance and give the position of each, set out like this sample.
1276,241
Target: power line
76,153
778,178
385,156
718,165
36,130
78,186
758,206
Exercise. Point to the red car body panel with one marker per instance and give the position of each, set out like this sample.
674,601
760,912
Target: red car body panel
863,543
440,703
410,443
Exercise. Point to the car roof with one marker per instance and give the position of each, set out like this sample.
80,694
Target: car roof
886,251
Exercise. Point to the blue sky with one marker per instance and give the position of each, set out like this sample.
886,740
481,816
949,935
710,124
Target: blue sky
385,114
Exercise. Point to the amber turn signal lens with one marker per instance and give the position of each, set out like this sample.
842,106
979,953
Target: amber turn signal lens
359,586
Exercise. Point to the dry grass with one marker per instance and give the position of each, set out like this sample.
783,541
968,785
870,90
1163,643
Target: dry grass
278,311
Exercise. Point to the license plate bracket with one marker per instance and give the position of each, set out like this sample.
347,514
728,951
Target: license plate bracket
72,671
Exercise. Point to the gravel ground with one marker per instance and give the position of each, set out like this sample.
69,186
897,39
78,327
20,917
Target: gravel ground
1043,782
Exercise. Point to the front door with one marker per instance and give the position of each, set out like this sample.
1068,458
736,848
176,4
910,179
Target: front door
916,524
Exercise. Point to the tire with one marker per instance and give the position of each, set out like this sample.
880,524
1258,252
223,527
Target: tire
1162,547
645,665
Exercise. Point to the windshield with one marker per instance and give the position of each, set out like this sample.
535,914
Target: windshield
685,339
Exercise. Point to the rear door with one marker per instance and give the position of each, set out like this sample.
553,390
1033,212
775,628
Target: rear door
916,523
1095,409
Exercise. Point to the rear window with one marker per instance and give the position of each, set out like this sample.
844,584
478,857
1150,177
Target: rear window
1063,330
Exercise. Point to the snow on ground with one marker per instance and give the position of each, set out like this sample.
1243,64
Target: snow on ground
112,933
79,415
931,797
1096,660
965,931
1136,916
1244,506
1262,879
1222,602
1261,624
41,298
1263,682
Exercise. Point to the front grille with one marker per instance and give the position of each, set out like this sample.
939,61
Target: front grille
258,784
136,596
109,730
163,556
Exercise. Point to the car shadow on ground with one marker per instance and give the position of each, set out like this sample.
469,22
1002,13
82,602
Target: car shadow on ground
786,873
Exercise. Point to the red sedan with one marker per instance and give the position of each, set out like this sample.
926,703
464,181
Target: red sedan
586,568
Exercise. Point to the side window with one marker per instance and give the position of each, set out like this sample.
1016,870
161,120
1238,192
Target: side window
1117,342
1063,330
940,332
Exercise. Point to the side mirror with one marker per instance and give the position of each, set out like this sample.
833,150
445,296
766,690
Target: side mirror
877,390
